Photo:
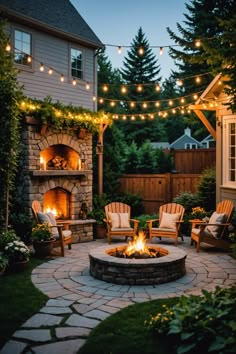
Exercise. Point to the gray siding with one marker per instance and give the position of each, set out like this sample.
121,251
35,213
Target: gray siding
54,52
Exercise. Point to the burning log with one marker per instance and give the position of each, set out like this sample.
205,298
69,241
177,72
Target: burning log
137,249
58,163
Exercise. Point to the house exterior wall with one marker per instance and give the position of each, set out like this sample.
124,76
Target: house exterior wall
222,191
55,52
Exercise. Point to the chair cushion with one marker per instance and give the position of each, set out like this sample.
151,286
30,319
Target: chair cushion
43,218
119,220
49,219
215,218
168,221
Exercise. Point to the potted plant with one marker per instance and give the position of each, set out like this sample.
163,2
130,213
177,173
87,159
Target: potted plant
42,239
18,255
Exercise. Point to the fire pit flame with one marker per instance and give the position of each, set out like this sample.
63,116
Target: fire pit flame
137,245
136,249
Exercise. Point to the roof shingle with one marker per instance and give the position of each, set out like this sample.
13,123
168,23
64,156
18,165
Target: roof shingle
59,15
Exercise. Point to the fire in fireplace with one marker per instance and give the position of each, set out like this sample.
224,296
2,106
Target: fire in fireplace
57,201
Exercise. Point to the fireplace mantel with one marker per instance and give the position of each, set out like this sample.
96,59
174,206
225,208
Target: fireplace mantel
48,173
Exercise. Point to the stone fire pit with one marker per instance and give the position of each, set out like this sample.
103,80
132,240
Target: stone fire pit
169,267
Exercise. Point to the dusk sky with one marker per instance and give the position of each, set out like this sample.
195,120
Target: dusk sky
117,23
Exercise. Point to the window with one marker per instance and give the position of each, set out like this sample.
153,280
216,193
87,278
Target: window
229,151
190,146
22,48
76,63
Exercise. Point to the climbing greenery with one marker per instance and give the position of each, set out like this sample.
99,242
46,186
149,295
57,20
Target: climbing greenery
63,116
10,94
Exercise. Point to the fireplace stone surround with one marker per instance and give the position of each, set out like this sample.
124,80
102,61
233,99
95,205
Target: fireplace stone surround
69,184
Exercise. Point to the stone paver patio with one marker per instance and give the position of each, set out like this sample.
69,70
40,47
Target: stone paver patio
78,302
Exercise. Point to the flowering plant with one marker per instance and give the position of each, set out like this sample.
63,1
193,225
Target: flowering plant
42,232
198,213
17,251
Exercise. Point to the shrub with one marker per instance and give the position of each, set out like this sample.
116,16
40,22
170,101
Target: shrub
200,324
206,190
188,200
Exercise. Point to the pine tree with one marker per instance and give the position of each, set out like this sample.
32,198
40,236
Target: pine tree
140,68
201,26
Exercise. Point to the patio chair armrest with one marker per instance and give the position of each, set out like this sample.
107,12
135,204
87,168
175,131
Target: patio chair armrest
65,224
135,221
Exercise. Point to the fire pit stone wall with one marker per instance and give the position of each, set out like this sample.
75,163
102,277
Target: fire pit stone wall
169,267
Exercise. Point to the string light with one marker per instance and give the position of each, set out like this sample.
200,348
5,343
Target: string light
8,47
41,67
50,71
29,59
62,78
141,51
161,51
74,82
119,50
87,86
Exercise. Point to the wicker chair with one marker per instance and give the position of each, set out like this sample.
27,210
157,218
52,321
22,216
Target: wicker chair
170,219
118,221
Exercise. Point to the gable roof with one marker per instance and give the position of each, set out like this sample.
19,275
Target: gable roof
186,138
58,16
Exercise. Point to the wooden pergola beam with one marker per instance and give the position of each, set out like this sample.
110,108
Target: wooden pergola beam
205,121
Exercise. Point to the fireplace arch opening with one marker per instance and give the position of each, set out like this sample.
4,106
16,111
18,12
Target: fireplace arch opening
58,201
60,157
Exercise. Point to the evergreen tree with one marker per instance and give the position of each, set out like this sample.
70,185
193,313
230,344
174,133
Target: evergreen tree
140,68
202,23
10,94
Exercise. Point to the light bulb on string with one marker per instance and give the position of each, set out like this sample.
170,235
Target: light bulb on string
123,89
8,47
105,88
50,71
119,50
41,67
139,88
179,82
29,59
197,43
157,88
74,82
87,86
94,98
161,51
141,51
198,79
62,79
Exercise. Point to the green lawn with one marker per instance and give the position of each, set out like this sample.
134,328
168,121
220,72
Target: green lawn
19,300
125,333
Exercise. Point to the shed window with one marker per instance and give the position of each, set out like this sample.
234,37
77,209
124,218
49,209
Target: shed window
22,48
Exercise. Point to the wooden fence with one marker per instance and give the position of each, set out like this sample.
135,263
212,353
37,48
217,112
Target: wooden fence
157,189
194,160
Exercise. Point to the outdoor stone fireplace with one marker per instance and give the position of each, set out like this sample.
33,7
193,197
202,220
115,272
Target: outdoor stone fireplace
57,171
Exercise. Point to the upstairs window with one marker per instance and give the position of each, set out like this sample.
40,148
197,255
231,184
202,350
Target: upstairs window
22,48
76,63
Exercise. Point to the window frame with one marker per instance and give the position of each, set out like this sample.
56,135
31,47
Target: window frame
191,146
226,151
27,66
82,63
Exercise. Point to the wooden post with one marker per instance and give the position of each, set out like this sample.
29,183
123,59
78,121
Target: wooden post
99,152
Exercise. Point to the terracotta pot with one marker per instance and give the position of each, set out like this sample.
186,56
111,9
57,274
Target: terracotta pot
43,248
